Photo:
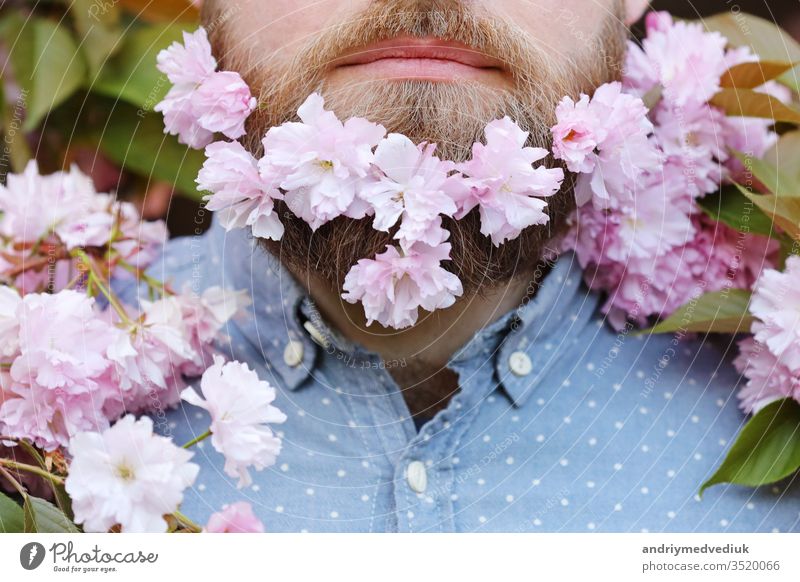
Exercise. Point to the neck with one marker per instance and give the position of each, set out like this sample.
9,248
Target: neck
424,349
433,340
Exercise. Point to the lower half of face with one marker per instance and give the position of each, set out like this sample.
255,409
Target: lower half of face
436,71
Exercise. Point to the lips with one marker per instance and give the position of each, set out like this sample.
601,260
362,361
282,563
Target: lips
419,58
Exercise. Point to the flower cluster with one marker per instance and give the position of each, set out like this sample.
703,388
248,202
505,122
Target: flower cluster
76,362
644,239
323,168
202,101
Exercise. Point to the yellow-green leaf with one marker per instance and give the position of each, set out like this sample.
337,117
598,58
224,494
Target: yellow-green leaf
770,176
785,154
784,210
748,103
48,66
99,31
41,516
721,311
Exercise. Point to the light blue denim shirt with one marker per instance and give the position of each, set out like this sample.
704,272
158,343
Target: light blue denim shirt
560,423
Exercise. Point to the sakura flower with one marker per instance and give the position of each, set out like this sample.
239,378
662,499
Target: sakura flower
414,189
189,63
63,341
321,162
201,101
50,417
32,205
503,183
222,104
606,139
240,406
128,476
9,324
239,195
682,57
394,285
776,306
235,518
767,378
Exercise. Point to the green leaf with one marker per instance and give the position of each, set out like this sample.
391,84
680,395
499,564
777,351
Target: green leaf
48,66
748,103
98,28
12,519
721,311
43,517
754,74
732,208
139,144
766,450
132,75
783,210
770,176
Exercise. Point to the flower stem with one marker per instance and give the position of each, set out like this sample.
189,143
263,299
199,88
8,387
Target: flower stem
186,522
96,278
197,439
32,469
10,478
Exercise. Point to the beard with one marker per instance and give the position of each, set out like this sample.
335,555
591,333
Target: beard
452,115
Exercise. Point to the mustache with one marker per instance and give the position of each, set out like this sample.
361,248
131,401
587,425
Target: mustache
458,21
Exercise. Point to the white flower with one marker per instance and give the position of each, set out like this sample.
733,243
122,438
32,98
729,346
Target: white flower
127,476
240,406
9,324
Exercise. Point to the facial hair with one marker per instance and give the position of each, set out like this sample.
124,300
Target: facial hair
451,115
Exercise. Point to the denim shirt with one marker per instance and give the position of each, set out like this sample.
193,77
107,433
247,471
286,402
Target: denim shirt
561,423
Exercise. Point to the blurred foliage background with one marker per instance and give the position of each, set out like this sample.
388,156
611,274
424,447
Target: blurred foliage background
78,85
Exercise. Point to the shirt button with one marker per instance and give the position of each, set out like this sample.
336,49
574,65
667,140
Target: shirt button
293,354
520,364
417,476
316,334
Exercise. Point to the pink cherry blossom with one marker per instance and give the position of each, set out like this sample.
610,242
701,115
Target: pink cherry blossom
235,518
321,161
9,324
394,285
607,140
240,406
202,101
222,104
414,189
776,306
681,57
239,195
189,63
767,378
127,476
503,183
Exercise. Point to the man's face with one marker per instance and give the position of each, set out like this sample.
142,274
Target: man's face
434,70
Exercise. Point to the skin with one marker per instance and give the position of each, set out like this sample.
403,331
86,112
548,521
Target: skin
280,28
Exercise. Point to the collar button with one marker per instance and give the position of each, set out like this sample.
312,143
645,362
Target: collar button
520,364
293,354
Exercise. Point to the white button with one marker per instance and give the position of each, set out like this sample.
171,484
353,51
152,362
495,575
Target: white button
293,354
316,334
520,364
417,476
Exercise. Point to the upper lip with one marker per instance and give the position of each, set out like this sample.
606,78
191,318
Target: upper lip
419,48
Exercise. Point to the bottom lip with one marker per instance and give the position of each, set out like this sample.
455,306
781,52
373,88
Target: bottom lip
420,68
